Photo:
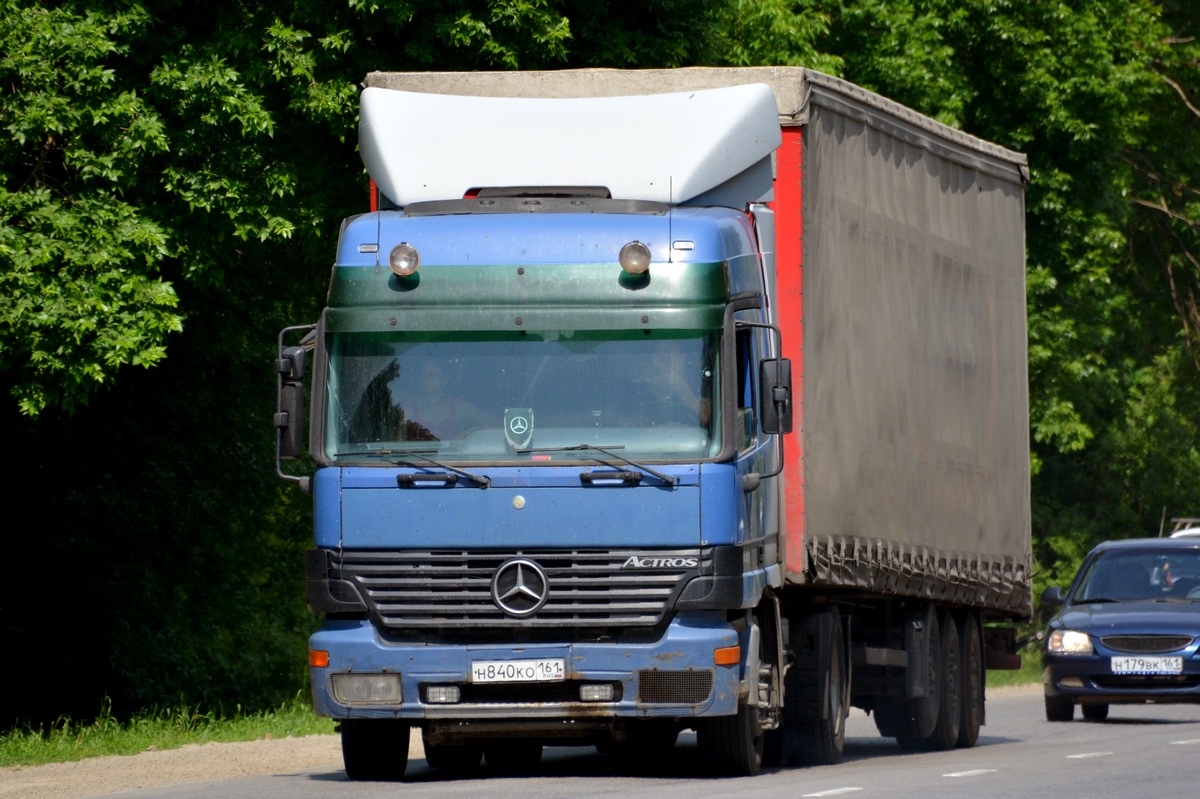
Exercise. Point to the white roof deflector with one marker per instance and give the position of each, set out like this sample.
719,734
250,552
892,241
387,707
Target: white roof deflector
665,148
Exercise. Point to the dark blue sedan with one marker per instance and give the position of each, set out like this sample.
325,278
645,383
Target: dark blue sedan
1128,630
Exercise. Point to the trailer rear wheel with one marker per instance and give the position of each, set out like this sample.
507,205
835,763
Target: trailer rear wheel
375,749
915,719
973,681
949,721
818,740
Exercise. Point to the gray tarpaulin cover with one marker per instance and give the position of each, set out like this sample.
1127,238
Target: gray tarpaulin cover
916,458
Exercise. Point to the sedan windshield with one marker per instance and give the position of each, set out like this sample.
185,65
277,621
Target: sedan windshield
522,396
1131,575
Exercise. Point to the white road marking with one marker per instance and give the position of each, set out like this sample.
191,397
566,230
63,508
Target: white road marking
1087,755
1188,742
833,792
972,773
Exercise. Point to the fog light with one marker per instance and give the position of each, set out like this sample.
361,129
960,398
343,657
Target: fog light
366,689
442,694
596,692
1071,682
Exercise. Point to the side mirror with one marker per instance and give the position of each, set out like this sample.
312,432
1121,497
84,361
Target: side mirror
291,363
289,415
1052,596
775,404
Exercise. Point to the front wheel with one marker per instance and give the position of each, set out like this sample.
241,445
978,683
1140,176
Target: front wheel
819,741
1095,712
733,745
1059,708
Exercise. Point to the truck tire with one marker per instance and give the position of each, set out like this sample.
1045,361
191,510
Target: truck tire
949,721
971,643
732,745
375,749
815,741
915,719
1059,708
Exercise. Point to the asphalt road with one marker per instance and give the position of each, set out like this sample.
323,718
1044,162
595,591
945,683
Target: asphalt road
1141,751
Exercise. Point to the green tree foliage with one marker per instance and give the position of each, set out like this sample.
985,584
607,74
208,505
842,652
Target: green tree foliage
1101,96
170,191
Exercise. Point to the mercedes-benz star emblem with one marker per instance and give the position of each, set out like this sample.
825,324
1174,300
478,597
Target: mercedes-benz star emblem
518,425
520,587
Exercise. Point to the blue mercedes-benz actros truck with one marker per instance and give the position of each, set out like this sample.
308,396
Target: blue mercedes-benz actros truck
655,401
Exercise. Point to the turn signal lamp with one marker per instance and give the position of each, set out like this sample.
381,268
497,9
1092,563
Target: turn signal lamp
635,258
727,656
404,259
1069,642
318,658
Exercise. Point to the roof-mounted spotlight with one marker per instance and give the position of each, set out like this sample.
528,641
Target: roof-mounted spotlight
635,258
404,259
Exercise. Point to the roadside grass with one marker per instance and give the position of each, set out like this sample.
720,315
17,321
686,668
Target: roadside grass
169,728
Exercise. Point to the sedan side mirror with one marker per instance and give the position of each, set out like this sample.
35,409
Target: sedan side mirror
1052,596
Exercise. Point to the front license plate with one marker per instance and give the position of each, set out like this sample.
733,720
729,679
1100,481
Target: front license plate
542,670
1131,664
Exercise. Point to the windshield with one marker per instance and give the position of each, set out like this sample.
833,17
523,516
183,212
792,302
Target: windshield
1131,575
522,396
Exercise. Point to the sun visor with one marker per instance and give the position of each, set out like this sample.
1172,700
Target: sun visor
665,148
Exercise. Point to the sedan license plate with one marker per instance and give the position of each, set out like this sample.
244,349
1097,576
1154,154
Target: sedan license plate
541,670
1136,664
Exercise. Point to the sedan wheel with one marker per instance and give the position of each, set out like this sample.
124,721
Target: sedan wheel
1059,708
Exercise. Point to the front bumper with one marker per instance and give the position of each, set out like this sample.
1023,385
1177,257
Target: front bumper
673,677
1089,679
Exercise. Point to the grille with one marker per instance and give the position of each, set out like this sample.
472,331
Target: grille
658,687
1146,644
452,590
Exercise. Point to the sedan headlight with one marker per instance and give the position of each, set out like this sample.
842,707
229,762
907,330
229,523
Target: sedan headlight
1069,642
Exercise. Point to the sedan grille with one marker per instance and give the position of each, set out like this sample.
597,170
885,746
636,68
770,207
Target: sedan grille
1146,644
447,590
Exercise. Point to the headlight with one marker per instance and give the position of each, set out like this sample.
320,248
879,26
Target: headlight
1069,642
366,689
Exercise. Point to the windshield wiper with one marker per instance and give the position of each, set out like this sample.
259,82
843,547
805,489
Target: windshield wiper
482,480
607,450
